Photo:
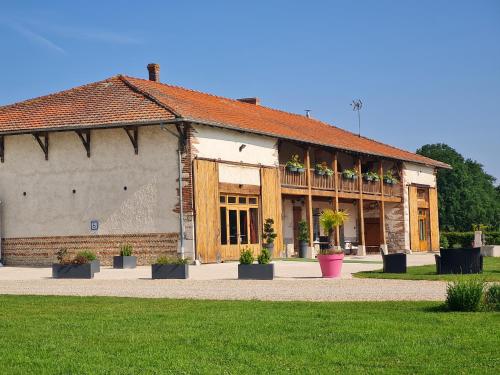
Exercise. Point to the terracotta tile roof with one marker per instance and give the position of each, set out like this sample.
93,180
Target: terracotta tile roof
127,100
100,103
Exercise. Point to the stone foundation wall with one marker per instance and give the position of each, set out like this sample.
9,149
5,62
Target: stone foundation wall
395,226
41,251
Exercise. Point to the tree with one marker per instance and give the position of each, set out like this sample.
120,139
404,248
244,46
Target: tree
467,194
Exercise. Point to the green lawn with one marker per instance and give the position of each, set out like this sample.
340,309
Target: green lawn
491,272
99,335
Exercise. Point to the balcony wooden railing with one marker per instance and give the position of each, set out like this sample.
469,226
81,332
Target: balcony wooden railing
326,182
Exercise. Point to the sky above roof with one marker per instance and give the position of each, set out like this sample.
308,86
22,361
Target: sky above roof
426,71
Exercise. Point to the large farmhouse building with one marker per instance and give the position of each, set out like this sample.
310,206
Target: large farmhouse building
167,169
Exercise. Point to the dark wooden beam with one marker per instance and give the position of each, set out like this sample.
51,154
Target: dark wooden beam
84,136
2,148
133,135
43,141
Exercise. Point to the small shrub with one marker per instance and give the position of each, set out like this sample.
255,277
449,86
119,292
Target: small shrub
268,234
264,257
492,297
465,294
62,256
443,242
89,255
80,259
126,250
246,256
303,231
172,260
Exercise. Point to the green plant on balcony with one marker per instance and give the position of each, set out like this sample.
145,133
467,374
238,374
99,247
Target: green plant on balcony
322,169
350,174
390,179
371,176
294,164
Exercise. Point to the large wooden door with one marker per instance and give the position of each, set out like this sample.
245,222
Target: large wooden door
297,217
271,203
372,235
206,202
434,219
423,229
413,206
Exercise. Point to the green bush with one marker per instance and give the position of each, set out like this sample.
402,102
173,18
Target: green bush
80,259
264,257
492,297
246,256
89,255
171,260
126,250
492,238
303,231
466,239
465,294
443,242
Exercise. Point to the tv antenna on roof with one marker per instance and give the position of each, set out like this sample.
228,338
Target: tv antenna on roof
356,105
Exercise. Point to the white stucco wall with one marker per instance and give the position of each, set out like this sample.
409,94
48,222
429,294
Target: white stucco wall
50,208
236,174
224,144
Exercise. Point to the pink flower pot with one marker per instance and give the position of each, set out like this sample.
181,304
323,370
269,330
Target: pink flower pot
331,265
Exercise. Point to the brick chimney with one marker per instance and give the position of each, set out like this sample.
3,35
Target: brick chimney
154,72
255,101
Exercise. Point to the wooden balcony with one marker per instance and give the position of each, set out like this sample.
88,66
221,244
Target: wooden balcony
326,183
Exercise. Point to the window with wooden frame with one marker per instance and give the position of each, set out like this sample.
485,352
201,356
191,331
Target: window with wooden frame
239,219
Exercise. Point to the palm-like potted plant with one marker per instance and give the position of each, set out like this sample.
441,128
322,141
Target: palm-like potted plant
303,237
269,235
125,259
330,260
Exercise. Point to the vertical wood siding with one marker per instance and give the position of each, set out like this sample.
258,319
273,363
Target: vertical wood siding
434,218
271,203
412,201
206,200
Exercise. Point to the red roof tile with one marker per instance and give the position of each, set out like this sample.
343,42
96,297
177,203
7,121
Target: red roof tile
127,100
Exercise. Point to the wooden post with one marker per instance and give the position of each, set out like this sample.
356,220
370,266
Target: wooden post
336,181
309,207
361,245
382,208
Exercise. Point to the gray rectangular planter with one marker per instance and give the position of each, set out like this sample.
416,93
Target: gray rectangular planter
124,262
169,271
256,271
72,271
96,265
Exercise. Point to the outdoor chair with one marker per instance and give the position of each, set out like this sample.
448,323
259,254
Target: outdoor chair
394,263
459,261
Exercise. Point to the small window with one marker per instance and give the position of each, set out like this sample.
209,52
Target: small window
222,199
252,200
231,200
242,200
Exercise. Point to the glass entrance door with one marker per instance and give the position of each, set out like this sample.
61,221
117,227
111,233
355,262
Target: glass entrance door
423,229
239,225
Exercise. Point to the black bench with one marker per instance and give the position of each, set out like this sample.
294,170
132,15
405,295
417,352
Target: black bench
394,263
459,261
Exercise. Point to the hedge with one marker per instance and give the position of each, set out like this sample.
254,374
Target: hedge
465,239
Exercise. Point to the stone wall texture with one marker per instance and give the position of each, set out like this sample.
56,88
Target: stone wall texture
41,251
395,226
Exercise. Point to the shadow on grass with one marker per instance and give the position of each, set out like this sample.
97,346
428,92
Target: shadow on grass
441,308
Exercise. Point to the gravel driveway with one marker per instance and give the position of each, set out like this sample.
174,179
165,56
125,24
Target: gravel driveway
296,281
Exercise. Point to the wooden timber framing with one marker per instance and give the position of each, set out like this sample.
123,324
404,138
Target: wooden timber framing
43,141
84,136
206,202
2,148
309,208
271,203
383,238
361,206
133,135
341,195
412,201
336,199
434,219
225,187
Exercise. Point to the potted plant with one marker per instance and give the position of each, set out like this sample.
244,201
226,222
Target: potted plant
371,176
320,169
77,268
269,235
390,179
349,174
125,259
330,260
303,237
263,270
294,164
170,268
92,258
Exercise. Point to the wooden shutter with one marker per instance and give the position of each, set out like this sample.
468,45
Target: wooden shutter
412,201
434,218
206,201
271,203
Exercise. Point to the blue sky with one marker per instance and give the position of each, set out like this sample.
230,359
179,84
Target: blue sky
427,71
